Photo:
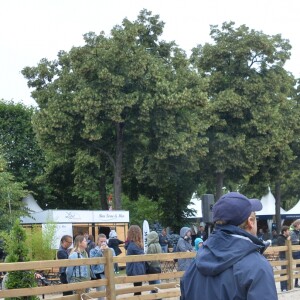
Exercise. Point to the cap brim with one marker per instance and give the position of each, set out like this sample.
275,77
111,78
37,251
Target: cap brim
256,204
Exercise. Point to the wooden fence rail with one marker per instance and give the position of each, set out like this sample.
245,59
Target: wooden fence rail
119,287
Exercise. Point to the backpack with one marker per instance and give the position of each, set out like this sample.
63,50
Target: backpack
174,251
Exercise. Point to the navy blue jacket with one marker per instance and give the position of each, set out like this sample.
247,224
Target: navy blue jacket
135,268
230,266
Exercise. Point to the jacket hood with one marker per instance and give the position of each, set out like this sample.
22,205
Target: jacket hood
183,231
197,241
152,237
113,234
226,245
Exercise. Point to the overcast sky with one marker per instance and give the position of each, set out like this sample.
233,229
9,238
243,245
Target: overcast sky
33,29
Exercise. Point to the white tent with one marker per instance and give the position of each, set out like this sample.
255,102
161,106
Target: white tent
196,204
268,210
294,213
31,204
295,210
268,203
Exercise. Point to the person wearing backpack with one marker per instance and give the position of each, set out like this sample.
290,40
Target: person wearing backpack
153,267
83,272
135,247
63,253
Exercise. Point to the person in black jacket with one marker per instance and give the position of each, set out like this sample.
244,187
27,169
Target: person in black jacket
231,265
135,247
295,239
164,240
63,253
282,238
114,243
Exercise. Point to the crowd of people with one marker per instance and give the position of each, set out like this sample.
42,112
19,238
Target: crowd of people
229,263
222,257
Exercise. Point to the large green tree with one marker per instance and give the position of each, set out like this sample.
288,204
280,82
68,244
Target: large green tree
249,102
106,106
19,146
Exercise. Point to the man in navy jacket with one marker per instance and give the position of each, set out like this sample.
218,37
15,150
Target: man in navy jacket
231,264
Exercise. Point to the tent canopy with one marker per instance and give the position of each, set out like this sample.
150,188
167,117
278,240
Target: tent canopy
31,204
268,203
295,210
293,213
196,204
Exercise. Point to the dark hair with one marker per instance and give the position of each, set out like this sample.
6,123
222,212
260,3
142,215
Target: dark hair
65,237
284,228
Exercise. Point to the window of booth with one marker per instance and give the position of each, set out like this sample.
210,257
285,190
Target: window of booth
105,230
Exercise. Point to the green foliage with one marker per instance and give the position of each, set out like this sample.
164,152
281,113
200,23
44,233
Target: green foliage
11,193
19,145
142,209
39,242
251,103
17,251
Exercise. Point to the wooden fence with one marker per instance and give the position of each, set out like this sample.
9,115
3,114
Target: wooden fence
121,287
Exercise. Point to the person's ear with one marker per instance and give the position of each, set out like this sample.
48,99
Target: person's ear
251,222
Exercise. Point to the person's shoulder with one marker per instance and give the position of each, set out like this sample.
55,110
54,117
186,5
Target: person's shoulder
73,255
94,250
60,250
113,251
61,254
281,240
134,248
257,259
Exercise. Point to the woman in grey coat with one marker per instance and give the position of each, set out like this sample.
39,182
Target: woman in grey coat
184,244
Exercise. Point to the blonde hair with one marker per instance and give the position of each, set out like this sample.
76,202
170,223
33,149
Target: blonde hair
101,235
135,235
78,239
296,222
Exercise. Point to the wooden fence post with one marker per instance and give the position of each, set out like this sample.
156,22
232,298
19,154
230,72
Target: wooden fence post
289,257
110,275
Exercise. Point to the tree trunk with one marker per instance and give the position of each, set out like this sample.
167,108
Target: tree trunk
103,194
219,184
118,166
277,206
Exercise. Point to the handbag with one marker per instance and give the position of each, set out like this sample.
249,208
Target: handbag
152,269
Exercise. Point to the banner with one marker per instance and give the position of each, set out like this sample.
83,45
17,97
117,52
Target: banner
146,230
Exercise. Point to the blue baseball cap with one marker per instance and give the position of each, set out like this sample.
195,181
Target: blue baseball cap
234,208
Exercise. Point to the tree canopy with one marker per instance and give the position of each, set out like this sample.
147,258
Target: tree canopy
129,112
24,157
128,97
251,102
